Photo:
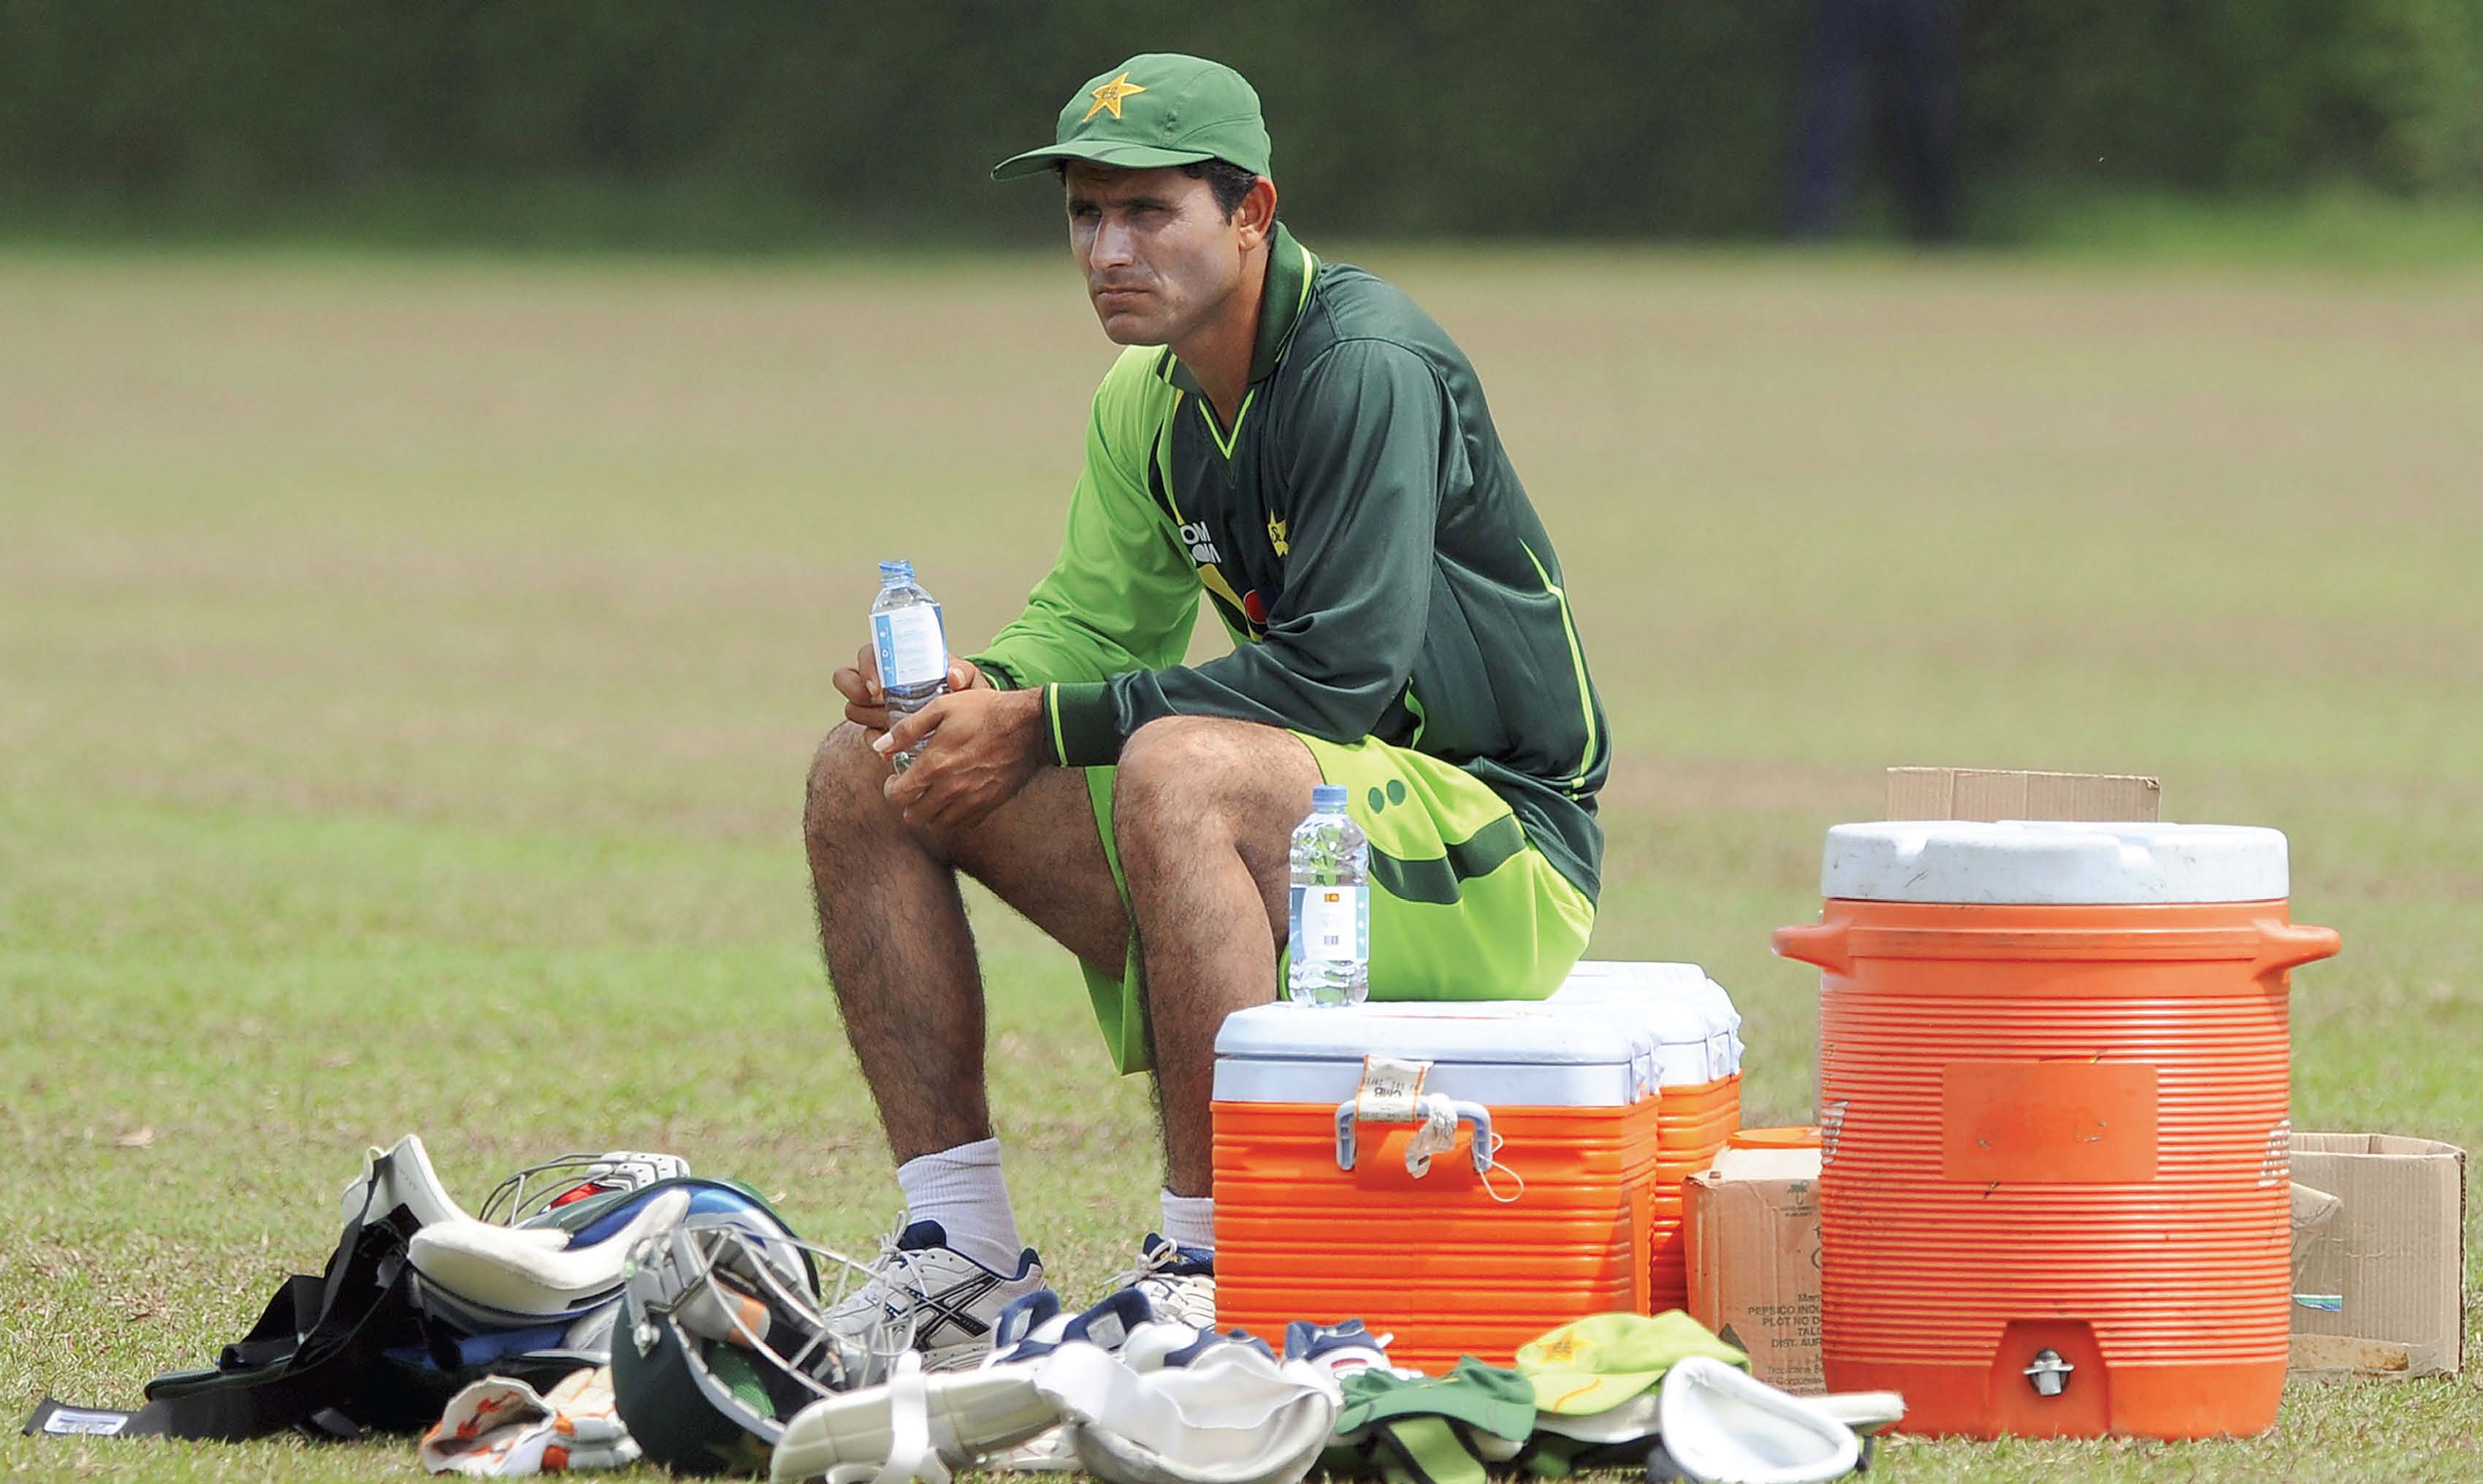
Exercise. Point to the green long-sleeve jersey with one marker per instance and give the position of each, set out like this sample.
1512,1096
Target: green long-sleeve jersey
1361,533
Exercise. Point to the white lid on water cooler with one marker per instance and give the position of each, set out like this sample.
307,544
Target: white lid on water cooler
2052,862
1606,1038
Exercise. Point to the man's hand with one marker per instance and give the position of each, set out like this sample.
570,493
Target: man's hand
867,705
990,742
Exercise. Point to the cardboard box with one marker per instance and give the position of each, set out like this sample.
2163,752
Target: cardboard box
2379,1282
1992,793
1752,1230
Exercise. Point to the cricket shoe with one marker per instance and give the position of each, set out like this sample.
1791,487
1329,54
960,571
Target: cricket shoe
1338,1350
1179,1281
1035,1326
921,1288
1168,1346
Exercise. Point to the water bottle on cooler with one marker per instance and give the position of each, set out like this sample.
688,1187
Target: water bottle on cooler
1331,906
911,645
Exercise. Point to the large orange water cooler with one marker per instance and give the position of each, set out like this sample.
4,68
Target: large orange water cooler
1525,1204
2052,1090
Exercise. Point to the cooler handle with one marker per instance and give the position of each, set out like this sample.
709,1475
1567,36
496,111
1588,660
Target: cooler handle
1425,1109
1823,944
2284,945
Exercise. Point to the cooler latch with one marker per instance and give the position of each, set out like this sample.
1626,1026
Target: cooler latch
1391,1093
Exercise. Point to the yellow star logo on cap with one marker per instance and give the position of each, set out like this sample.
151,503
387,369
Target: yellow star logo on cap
1110,94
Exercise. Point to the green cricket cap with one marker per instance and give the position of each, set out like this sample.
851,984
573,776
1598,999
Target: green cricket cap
1597,1362
1158,107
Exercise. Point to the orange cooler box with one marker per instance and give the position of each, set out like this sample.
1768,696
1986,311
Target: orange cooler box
2052,1097
1321,1214
1699,1076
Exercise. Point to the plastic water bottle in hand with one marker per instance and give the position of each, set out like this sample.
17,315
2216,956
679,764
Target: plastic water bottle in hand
1331,907
910,644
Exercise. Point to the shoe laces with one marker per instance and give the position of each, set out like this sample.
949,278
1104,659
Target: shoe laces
1174,1295
1151,1273
892,1272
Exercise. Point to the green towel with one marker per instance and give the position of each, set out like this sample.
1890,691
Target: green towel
1430,1429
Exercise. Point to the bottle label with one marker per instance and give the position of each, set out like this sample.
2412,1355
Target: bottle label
913,649
1335,923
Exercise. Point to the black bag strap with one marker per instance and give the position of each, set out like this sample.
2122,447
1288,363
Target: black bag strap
56,1418
308,1363
278,1334
295,1366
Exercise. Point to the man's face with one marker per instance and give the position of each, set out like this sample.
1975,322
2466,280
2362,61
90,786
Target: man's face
1159,258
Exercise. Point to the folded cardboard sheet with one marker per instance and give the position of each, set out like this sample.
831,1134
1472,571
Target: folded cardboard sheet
2379,1273
2000,793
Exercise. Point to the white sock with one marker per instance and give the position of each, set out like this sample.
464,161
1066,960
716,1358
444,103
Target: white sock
1189,1220
961,1188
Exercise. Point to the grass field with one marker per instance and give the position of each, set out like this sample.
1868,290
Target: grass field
408,667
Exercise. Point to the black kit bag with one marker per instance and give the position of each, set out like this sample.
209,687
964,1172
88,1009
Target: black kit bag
320,1359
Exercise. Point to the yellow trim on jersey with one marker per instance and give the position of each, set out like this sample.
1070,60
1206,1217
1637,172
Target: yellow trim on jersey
1577,664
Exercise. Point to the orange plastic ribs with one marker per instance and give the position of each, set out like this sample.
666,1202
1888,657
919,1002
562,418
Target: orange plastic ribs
2053,1197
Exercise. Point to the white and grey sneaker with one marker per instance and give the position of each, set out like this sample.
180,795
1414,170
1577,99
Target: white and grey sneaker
1033,1327
946,1301
1339,1349
1179,1281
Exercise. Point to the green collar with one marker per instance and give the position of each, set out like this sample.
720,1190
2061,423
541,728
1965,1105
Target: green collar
1291,267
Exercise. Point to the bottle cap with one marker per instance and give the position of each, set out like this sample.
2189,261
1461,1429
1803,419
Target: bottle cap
896,570
1328,798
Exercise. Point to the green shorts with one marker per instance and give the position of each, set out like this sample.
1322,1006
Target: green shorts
1462,906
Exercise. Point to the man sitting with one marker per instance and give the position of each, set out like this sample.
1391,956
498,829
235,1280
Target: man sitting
1296,440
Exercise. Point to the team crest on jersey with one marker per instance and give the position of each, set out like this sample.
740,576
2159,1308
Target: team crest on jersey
1277,536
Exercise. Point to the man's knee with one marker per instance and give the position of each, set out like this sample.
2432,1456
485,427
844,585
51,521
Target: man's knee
1180,777
847,789
1166,770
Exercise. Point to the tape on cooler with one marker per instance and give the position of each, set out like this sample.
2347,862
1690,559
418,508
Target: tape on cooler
1391,1090
1391,1093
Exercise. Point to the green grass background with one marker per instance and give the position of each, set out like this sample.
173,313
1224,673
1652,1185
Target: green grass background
408,666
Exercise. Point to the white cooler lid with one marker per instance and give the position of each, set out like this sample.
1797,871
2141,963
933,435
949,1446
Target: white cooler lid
2052,862
1609,1036
1525,1052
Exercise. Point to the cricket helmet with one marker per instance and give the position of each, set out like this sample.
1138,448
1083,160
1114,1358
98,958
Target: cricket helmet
723,1337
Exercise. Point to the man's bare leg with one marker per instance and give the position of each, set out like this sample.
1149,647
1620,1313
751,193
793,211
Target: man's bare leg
898,948
1203,814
